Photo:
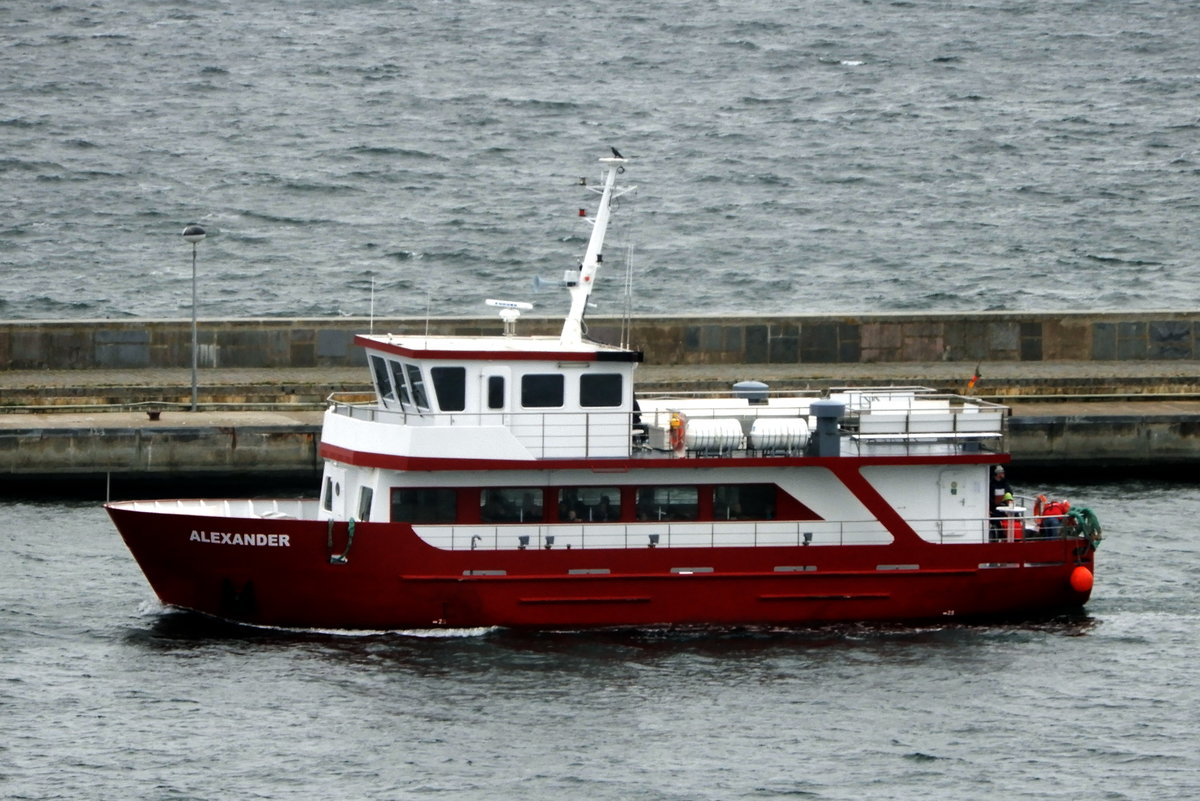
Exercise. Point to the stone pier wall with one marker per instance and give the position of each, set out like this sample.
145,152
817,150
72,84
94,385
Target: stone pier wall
816,339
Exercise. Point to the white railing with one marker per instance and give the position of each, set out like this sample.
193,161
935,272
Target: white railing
284,509
721,534
876,424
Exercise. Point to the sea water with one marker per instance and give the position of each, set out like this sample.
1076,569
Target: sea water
350,157
105,694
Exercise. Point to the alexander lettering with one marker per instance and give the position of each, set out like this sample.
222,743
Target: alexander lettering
236,538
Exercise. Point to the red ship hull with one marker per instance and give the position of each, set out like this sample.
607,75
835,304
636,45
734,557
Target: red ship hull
287,573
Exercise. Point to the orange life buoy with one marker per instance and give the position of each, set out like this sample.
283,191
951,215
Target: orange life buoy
678,431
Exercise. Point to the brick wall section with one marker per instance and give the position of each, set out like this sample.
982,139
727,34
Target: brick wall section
817,339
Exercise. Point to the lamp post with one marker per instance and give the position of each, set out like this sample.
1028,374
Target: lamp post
194,234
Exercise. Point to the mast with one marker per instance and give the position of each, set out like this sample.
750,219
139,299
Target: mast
572,332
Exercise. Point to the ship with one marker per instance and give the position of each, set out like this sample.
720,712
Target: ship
519,481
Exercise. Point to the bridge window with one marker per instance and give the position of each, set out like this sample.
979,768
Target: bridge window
450,385
383,380
398,381
418,386
667,503
424,505
542,390
600,389
511,505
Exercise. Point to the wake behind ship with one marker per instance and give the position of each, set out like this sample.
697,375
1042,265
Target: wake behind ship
521,481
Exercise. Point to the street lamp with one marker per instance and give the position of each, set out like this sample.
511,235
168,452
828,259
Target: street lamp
193,234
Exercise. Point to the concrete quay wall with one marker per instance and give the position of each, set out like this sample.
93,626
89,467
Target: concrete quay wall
56,452
681,340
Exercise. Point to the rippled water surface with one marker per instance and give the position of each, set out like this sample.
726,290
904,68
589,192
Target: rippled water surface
791,157
104,694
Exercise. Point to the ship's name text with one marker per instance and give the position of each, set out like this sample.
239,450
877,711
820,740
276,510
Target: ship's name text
226,538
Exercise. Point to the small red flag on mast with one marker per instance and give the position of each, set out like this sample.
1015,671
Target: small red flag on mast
974,378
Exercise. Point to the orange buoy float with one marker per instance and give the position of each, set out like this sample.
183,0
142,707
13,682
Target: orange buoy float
1081,579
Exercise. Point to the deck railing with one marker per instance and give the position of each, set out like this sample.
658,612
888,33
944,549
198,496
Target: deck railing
883,422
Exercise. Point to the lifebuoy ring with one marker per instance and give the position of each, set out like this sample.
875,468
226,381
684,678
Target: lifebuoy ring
1038,505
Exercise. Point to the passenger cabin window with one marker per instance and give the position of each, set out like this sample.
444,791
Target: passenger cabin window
667,503
511,505
495,392
589,504
327,495
450,386
417,383
542,390
744,502
602,389
383,379
424,505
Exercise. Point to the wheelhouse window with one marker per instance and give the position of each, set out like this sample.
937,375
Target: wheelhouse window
450,386
383,379
667,503
417,382
397,371
744,502
495,392
600,389
589,504
424,505
542,390
511,505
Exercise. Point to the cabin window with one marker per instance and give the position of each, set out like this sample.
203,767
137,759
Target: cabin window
511,505
589,504
418,386
365,496
424,505
542,390
495,392
744,502
383,381
327,503
450,385
667,503
398,380
600,389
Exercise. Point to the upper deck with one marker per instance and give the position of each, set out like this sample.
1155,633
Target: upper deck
906,421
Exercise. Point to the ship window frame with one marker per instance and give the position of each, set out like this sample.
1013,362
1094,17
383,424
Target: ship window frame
761,503
586,501
512,505
543,391
438,504
449,387
383,379
596,390
416,383
398,381
676,506
495,392
366,496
